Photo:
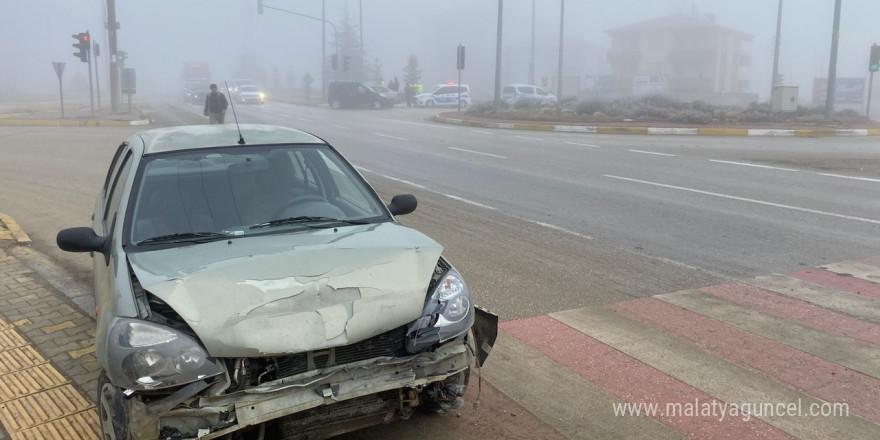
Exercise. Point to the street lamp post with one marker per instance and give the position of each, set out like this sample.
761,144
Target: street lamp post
561,34
775,81
497,101
532,60
832,65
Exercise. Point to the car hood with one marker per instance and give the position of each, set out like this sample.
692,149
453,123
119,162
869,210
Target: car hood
294,292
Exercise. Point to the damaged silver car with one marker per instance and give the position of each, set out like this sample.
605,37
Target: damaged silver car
251,284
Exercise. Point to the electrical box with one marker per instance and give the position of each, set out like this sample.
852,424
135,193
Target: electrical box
784,99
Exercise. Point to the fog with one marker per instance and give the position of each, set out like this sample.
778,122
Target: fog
160,35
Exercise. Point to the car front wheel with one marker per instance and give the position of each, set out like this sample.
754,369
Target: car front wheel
377,105
429,104
111,410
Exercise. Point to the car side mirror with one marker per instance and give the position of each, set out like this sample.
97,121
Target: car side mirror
403,204
82,239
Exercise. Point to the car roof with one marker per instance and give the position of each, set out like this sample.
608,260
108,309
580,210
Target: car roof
190,137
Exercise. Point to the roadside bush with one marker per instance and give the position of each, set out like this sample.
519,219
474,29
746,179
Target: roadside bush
662,101
650,113
526,104
690,117
702,106
483,108
590,107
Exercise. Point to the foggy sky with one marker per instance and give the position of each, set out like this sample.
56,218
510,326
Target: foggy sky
160,34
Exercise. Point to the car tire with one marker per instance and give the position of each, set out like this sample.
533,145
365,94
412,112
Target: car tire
335,104
111,410
462,103
377,105
429,104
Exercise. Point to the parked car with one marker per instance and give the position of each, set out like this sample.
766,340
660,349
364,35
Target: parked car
388,93
355,94
250,94
446,95
253,282
514,93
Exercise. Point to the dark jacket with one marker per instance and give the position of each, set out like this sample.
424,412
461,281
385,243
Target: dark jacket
215,103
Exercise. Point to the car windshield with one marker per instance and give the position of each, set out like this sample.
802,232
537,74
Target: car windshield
249,89
205,195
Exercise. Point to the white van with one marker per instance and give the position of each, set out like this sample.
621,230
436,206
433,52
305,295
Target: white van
513,93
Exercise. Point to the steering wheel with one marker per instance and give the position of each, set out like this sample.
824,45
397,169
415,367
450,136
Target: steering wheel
280,212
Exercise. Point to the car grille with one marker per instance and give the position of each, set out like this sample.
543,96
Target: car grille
391,343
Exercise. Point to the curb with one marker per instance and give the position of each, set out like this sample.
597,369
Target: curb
71,122
692,131
18,234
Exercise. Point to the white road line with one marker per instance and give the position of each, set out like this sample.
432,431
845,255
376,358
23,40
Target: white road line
530,138
444,127
752,165
363,170
477,152
460,199
339,126
483,132
651,152
392,137
582,145
403,181
561,229
743,199
304,119
866,179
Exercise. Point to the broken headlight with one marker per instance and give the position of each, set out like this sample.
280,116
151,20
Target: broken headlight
448,314
146,355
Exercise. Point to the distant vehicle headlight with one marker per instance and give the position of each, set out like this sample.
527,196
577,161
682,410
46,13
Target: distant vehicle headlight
448,314
146,355
262,95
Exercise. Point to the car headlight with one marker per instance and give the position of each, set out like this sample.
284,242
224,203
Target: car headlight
145,355
262,95
448,314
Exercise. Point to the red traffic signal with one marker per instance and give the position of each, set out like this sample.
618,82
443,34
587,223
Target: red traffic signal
82,44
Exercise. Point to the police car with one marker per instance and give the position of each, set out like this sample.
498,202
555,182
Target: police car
445,95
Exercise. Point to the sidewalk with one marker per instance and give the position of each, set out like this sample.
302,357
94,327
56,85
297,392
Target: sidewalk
48,369
77,113
649,129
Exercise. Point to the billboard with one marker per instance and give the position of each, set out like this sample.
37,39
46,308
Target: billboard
846,91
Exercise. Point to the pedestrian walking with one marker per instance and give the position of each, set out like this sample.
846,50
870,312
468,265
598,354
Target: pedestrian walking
215,106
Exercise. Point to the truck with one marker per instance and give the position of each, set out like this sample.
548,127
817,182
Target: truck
196,79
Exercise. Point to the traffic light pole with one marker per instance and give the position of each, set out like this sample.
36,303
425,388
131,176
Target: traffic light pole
112,26
870,88
91,87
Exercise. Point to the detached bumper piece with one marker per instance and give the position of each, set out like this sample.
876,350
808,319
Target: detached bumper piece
315,404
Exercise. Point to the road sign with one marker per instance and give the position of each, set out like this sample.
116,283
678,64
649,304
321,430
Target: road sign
59,68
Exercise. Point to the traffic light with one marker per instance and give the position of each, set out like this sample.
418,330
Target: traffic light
874,63
333,63
82,44
121,56
345,63
260,7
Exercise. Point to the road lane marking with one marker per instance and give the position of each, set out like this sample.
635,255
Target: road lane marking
560,229
582,145
530,138
752,165
304,119
483,132
407,182
420,123
392,137
477,152
744,199
462,199
364,170
651,152
866,179
339,126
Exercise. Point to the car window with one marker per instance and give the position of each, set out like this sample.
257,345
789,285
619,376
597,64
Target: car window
446,90
362,89
541,92
249,88
509,89
113,164
227,190
526,90
115,194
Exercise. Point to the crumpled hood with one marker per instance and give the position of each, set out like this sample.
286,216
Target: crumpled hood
294,292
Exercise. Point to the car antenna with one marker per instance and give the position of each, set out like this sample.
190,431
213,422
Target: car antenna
231,104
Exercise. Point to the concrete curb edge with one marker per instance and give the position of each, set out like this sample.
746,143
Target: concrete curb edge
686,131
17,233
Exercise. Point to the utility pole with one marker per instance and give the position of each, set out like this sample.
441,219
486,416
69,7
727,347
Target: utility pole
324,51
112,26
95,53
532,62
775,81
497,102
361,27
832,65
561,34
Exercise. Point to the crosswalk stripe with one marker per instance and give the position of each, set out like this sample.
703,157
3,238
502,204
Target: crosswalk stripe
712,375
840,350
822,296
856,286
862,271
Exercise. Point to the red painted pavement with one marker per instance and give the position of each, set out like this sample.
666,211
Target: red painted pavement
873,261
853,285
631,380
802,312
813,375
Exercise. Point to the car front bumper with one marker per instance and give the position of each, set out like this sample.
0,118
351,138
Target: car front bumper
210,417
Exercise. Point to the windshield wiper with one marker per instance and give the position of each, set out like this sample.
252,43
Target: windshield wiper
305,219
194,237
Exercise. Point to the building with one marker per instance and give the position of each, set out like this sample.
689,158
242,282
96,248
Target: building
685,57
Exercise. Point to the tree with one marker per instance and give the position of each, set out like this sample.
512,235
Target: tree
291,78
247,66
348,45
276,78
411,73
375,70
307,84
